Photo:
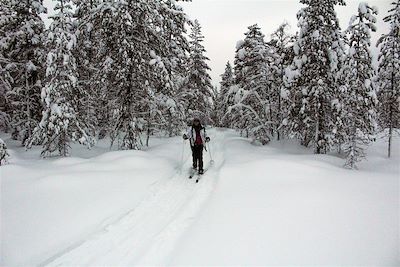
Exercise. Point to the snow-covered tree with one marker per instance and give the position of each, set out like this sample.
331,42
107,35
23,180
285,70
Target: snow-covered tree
240,113
389,74
198,88
60,122
257,102
139,76
224,101
234,116
281,42
3,152
254,66
360,91
214,108
91,102
168,114
312,76
135,72
22,58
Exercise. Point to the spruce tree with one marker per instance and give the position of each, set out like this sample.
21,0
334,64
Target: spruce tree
282,44
214,107
198,87
257,102
224,100
360,91
135,72
313,75
168,109
235,113
60,122
254,65
91,102
389,75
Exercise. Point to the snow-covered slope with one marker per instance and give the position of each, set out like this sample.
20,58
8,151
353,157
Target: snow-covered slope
277,204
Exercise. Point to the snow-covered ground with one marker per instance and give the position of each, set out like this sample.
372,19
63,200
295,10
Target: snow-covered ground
272,205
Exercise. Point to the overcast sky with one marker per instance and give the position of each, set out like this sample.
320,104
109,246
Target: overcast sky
225,21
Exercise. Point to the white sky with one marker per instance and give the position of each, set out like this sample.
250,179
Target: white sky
225,21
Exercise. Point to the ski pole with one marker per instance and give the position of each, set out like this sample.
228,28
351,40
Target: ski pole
209,151
183,150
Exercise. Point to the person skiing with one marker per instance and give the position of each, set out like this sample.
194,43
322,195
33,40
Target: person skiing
197,137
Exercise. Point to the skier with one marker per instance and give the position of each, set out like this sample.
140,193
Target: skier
197,137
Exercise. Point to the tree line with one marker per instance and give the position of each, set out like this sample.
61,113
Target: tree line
126,69
318,86
118,68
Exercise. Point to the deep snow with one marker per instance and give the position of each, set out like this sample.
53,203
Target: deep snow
272,205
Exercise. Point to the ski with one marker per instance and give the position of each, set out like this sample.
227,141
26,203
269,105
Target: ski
200,175
192,173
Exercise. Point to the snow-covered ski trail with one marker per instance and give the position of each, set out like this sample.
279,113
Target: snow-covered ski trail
147,234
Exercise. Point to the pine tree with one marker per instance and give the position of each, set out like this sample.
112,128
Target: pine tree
198,88
168,108
95,22
235,93
360,92
257,101
135,71
86,27
224,100
214,108
60,122
313,77
22,56
281,42
235,115
389,74
3,152
254,67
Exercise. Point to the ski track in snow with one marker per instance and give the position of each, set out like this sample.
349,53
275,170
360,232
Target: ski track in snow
147,235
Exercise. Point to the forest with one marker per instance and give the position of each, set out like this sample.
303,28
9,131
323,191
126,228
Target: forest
129,69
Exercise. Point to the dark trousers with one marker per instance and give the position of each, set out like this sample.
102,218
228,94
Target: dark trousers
197,154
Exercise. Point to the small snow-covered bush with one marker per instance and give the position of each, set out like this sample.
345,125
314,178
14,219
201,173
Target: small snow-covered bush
3,152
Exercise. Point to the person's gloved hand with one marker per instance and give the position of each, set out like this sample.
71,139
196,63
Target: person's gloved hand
185,137
208,139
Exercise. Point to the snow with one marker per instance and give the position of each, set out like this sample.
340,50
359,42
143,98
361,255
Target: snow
153,61
30,67
284,93
242,53
367,83
296,48
291,74
363,8
239,44
56,110
272,205
291,208
170,103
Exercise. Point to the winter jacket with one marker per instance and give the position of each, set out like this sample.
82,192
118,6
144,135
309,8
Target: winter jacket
191,135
